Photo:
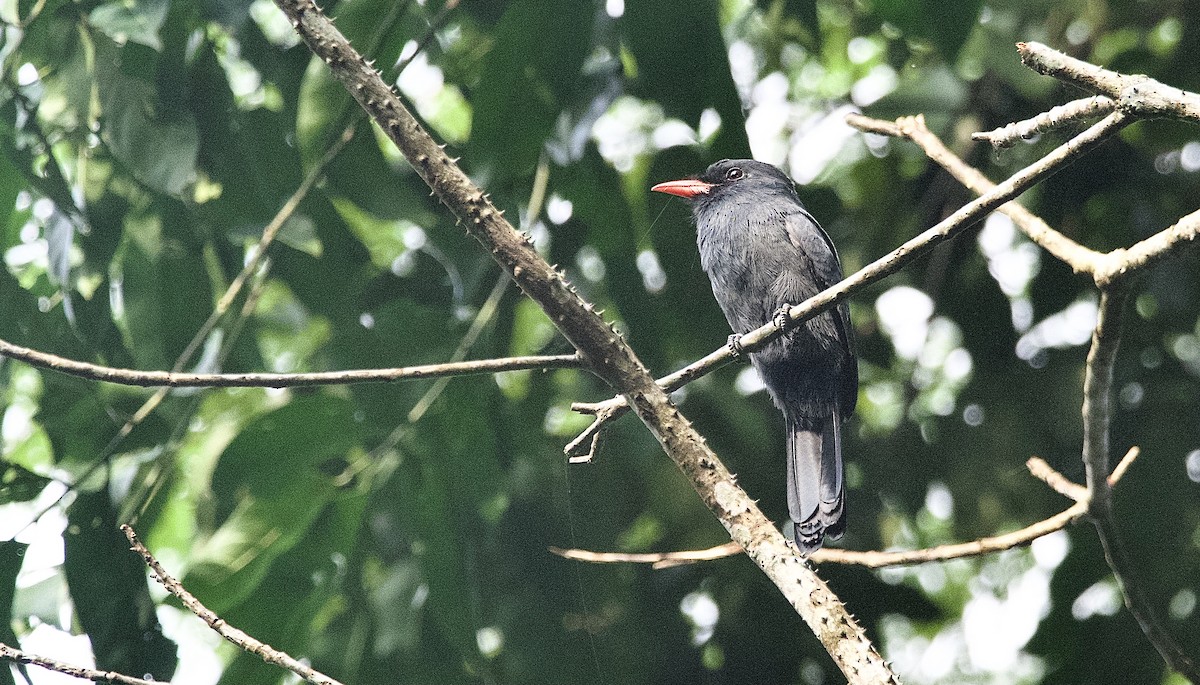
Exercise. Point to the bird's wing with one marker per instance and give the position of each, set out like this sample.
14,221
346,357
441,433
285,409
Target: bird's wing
807,236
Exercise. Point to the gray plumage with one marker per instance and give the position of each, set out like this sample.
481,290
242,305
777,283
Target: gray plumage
762,249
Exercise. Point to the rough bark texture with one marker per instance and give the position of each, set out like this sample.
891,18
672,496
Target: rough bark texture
607,353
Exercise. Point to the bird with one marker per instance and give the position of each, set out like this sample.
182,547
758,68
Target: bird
763,253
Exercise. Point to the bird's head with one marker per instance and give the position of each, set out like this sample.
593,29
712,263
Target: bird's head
742,179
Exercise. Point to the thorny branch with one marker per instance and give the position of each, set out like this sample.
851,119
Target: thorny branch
607,353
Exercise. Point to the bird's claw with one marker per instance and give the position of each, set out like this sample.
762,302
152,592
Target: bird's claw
735,344
782,318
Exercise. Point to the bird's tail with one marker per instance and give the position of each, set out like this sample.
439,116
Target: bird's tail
816,486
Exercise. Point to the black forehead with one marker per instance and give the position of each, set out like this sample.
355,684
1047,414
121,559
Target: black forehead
749,167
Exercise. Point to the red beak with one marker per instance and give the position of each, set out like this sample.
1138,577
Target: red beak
686,188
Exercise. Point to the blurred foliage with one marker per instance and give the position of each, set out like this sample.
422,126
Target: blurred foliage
144,144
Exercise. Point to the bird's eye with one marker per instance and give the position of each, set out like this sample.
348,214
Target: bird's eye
733,174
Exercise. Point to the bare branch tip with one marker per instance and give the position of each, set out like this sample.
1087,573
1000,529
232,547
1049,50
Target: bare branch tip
1123,465
1064,486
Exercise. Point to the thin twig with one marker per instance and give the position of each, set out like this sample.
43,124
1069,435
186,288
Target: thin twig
871,559
657,560
8,653
1122,466
435,25
879,559
582,449
281,380
892,262
238,637
1070,113
482,319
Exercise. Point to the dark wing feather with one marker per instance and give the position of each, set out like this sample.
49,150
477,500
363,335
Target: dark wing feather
806,235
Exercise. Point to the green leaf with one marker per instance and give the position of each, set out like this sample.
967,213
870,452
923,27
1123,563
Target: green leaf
157,142
539,52
304,587
10,185
166,287
270,485
681,64
136,21
19,484
80,424
945,24
441,494
108,585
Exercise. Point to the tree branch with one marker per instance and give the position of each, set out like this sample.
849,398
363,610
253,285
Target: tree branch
1055,117
607,353
1097,409
1108,270
1120,263
1097,415
171,379
11,654
1105,268
878,559
1137,95
1080,258
892,262
241,639
870,559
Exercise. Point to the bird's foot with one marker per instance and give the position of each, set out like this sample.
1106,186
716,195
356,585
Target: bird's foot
735,345
782,318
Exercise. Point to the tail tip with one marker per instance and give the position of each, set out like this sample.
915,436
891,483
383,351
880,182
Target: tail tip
811,537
